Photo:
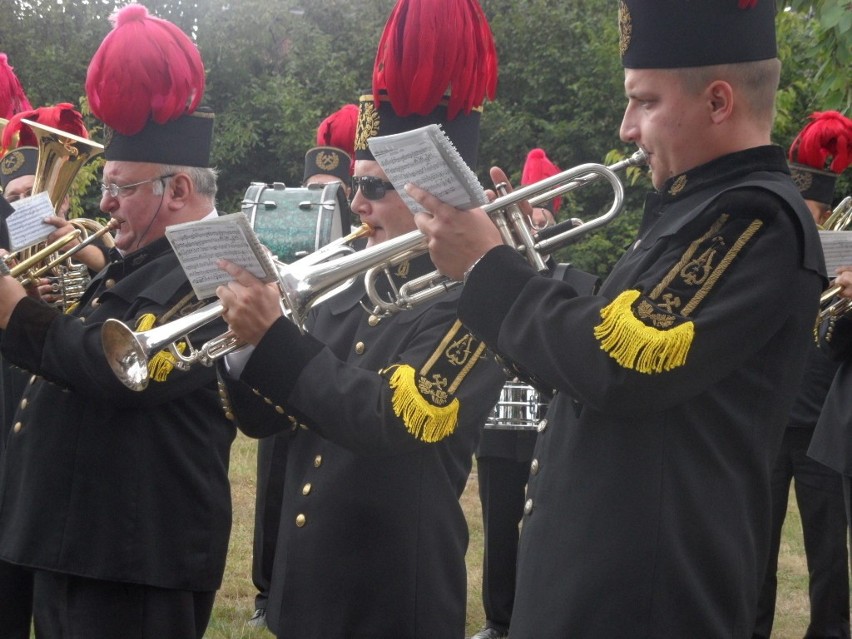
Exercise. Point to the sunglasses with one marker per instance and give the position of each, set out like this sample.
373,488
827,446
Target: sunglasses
373,188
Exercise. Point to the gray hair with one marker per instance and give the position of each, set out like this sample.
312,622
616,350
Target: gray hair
203,178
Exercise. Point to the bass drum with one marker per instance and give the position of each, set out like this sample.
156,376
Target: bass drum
293,222
520,407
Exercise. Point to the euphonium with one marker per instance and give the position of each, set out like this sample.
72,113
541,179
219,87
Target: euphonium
830,304
61,155
128,352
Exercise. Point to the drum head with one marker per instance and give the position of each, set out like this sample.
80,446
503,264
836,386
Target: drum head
293,222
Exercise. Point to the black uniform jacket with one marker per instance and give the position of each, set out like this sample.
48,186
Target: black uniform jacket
372,537
648,506
831,443
101,481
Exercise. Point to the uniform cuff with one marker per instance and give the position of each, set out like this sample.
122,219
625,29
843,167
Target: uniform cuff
490,291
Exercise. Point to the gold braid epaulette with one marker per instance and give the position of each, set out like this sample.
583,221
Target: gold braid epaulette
653,333
425,399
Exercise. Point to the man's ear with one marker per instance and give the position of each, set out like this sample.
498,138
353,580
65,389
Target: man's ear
180,189
720,99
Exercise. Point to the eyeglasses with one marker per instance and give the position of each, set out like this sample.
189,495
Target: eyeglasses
372,187
115,190
14,197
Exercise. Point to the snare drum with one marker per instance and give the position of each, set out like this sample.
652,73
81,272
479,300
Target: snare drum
519,408
293,222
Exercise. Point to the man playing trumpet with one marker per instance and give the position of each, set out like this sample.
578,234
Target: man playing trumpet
647,509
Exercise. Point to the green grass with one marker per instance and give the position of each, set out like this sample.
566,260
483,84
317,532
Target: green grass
235,601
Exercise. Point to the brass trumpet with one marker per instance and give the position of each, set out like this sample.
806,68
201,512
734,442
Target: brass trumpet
514,230
829,303
311,279
128,351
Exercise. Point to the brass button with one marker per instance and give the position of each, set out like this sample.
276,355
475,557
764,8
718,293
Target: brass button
534,467
542,425
317,461
359,348
373,320
18,426
95,302
24,402
300,520
109,283
293,420
229,416
306,489
279,409
33,379
528,507
222,393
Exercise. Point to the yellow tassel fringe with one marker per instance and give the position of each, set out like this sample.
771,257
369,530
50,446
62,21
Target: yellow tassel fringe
423,420
163,363
637,346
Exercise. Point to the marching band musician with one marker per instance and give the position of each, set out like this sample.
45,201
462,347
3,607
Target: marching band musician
831,443
18,168
16,583
331,161
647,511
383,412
819,492
119,501
503,466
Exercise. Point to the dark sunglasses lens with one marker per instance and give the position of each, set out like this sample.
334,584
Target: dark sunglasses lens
373,188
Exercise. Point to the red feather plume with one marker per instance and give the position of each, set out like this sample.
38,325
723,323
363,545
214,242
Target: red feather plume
538,167
747,4
63,116
432,47
12,96
827,135
338,129
145,69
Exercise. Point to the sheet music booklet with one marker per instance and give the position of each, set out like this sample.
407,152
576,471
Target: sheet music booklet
426,157
200,243
837,248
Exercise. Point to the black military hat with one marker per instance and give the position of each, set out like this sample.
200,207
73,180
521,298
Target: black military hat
436,64
669,34
18,162
145,83
335,145
821,151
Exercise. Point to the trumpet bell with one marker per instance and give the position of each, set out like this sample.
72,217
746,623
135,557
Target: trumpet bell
126,353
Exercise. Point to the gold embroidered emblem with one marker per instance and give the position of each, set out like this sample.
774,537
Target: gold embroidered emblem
403,269
109,134
13,161
696,271
678,185
670,302
327,160
459,351
368,124
645,310
802,179
625,28
434,389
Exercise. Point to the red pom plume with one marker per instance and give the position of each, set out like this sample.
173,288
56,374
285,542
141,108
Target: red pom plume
538,167
747,4
827,135
431,47
63,116
12,97
145,69
338,129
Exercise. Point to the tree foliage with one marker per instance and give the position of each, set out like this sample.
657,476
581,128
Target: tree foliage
276,68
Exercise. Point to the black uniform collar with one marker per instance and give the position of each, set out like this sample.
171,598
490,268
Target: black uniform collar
125,264
722,171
